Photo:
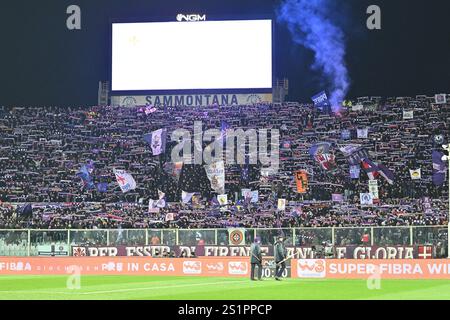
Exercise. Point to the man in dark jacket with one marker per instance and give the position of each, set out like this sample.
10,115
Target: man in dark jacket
256,258
280,253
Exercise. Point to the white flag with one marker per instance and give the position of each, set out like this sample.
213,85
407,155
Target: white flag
255,196
169,217
373,189
186,196
362,133
249,194
125,180
440,98
407,115
416,174
246,193
366,199
281,204
216,175
157,140
152,206
223,199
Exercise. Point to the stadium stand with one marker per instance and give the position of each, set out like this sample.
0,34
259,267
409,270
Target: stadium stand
43,148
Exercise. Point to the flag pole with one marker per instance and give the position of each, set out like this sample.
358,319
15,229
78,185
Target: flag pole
447,158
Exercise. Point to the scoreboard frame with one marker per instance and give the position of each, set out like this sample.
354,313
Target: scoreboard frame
173,18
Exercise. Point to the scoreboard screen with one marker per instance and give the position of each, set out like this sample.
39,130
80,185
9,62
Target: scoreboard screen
152,56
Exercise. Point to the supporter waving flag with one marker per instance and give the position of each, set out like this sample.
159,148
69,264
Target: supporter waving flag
439,168
216,176
321,153
102,187
125,180
154,205
354,153
85,174
321,100
157,141
415,174
224,128
374,170
362,133
354,172
186,197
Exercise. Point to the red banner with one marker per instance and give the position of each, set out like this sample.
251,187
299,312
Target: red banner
363,269
225,267
301,178
220,267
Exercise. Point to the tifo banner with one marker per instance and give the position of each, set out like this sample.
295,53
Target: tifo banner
363,269
157,141
416,174
281,204
373,189
354,154
345,134
408,115
223,199
358,107
301,179
337,197
216,176
355,171
440,98
362,133
220,267
251,195
125,180
366,199
321,100
236,236
197,100
321,153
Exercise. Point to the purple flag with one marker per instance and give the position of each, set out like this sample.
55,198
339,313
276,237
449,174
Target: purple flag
439,168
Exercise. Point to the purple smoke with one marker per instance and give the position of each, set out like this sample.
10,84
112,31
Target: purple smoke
310,26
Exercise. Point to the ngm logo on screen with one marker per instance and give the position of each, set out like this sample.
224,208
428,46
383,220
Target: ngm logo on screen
191,17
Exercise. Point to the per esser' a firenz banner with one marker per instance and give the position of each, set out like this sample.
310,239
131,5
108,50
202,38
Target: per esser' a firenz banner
338,252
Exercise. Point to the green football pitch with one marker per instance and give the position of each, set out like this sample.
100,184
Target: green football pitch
193,288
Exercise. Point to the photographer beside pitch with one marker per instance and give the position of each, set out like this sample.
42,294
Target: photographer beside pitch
280,253
256,258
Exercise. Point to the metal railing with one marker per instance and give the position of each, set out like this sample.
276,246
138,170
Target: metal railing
27,242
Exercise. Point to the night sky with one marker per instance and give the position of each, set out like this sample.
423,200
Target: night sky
43,63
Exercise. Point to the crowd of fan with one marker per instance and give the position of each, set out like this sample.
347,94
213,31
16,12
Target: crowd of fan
42,149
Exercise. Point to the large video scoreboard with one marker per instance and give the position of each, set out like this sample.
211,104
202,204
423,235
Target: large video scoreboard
192,54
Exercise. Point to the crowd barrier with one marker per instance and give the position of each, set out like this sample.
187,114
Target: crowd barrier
39,242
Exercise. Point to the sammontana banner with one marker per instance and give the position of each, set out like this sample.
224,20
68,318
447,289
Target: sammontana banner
195,100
